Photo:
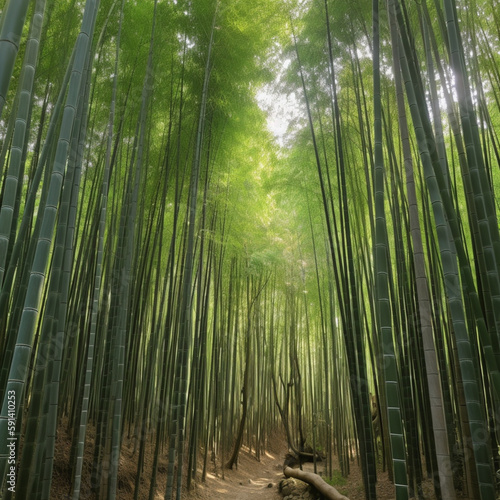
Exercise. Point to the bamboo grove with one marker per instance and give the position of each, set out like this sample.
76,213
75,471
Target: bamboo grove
177,281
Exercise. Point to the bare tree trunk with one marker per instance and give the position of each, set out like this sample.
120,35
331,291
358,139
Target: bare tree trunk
327,491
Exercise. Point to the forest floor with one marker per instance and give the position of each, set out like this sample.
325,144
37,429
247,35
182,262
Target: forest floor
251,480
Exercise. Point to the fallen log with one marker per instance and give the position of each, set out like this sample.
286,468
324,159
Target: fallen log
329,492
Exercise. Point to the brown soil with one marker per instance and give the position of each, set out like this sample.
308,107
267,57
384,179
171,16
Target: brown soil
252,479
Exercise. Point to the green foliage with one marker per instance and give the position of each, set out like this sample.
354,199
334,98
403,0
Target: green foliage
337,479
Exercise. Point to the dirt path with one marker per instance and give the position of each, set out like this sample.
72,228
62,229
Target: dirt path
249,482
252,479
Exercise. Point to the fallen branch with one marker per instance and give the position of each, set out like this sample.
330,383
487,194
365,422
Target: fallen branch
329,492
